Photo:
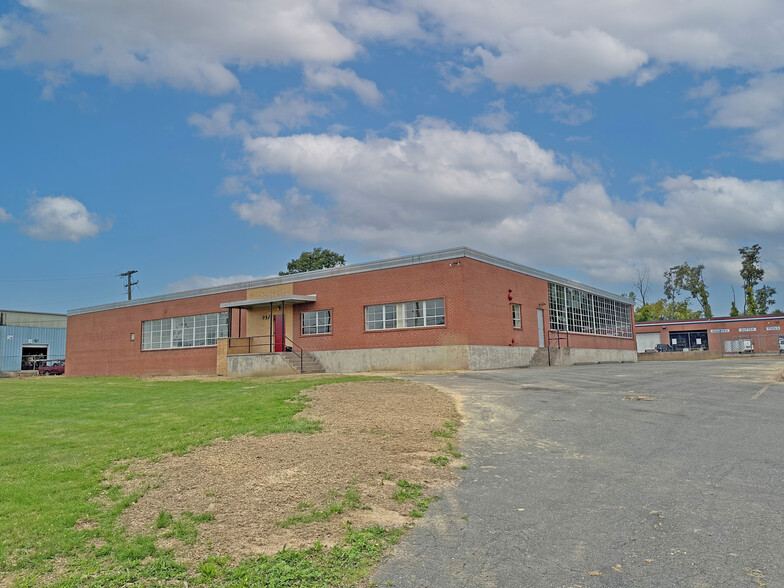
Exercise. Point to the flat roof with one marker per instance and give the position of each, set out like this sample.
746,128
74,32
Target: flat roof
441,255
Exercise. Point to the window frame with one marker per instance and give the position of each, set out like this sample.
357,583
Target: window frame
517,317
411,314
161,334
318,324
577,311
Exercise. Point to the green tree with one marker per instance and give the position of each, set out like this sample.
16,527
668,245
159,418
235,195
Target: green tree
763,298
755,300
687,278
734,309
663,310
313,260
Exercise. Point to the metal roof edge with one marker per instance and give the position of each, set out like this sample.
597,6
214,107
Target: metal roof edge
401,261
706,321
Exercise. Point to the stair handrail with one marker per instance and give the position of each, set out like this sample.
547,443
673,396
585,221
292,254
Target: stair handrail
301,352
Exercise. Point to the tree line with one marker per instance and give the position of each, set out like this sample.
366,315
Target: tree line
684,283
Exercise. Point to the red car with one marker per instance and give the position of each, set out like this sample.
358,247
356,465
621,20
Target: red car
54,368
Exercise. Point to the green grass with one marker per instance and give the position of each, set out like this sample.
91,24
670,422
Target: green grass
58,436
349,500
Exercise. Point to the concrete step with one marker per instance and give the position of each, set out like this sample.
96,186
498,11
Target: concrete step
308,364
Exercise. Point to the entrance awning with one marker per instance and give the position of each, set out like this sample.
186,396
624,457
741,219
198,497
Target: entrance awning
287,298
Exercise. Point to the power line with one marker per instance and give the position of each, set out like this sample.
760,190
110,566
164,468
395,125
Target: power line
96,277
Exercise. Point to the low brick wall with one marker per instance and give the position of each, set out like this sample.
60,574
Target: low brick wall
680,355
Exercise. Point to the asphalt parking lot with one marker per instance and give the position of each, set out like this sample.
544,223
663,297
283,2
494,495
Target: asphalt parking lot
648,474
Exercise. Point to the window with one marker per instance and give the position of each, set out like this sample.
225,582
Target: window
405,315
517,322
582,312
200,330
317,322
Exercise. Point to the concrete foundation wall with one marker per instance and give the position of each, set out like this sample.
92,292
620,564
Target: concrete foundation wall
249,365
680,355
462,357
487,357
602,355
447,357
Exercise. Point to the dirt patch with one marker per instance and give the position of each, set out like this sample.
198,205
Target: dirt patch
374,434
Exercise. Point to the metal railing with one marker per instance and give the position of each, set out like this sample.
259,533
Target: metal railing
557,336
264,344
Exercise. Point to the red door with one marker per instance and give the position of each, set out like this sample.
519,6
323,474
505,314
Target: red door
280,332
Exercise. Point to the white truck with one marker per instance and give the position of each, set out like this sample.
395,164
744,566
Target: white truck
739,346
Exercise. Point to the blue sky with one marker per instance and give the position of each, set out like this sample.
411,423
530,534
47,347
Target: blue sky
201,142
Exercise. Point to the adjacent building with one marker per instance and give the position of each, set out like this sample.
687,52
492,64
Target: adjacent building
724,334
451,309
29,338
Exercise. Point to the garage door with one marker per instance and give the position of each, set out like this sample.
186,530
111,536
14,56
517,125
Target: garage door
647,341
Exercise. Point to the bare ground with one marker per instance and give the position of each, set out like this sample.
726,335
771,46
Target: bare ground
374,434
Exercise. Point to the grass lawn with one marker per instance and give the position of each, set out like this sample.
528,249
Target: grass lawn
59,435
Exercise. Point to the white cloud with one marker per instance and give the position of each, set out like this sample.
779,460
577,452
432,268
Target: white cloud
51,81
563,111
5,216
61,218
219,122
324,77
288,110
183,43
536,57
438,186
758,108
495,118
199,282
200,44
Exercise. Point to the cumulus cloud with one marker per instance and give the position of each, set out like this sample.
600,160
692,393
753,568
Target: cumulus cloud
437,186
495,118
758,109
183,43
61,218
324,77
200,44
536,57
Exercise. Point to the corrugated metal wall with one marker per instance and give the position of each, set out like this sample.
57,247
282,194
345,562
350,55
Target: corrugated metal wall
13,338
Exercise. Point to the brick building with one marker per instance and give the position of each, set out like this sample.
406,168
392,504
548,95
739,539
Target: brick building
451,309
714,334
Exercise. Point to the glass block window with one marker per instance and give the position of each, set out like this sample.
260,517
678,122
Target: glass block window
201,330
318,322
582,312
517,321
405,315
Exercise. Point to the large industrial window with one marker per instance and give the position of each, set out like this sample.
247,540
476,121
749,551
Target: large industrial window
405,315
185,331
583,312
318,322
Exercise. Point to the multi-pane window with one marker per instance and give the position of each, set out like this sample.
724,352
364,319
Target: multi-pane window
517,321
317,322
583,312
405,315
185,331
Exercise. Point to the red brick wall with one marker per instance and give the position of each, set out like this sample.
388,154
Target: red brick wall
348,295
99,343
476,306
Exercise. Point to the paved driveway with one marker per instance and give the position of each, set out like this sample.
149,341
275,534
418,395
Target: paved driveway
572,482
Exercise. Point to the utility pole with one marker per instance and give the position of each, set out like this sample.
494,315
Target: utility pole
128,282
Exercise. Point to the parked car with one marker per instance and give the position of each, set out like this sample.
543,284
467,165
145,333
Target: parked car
52,368
664,347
